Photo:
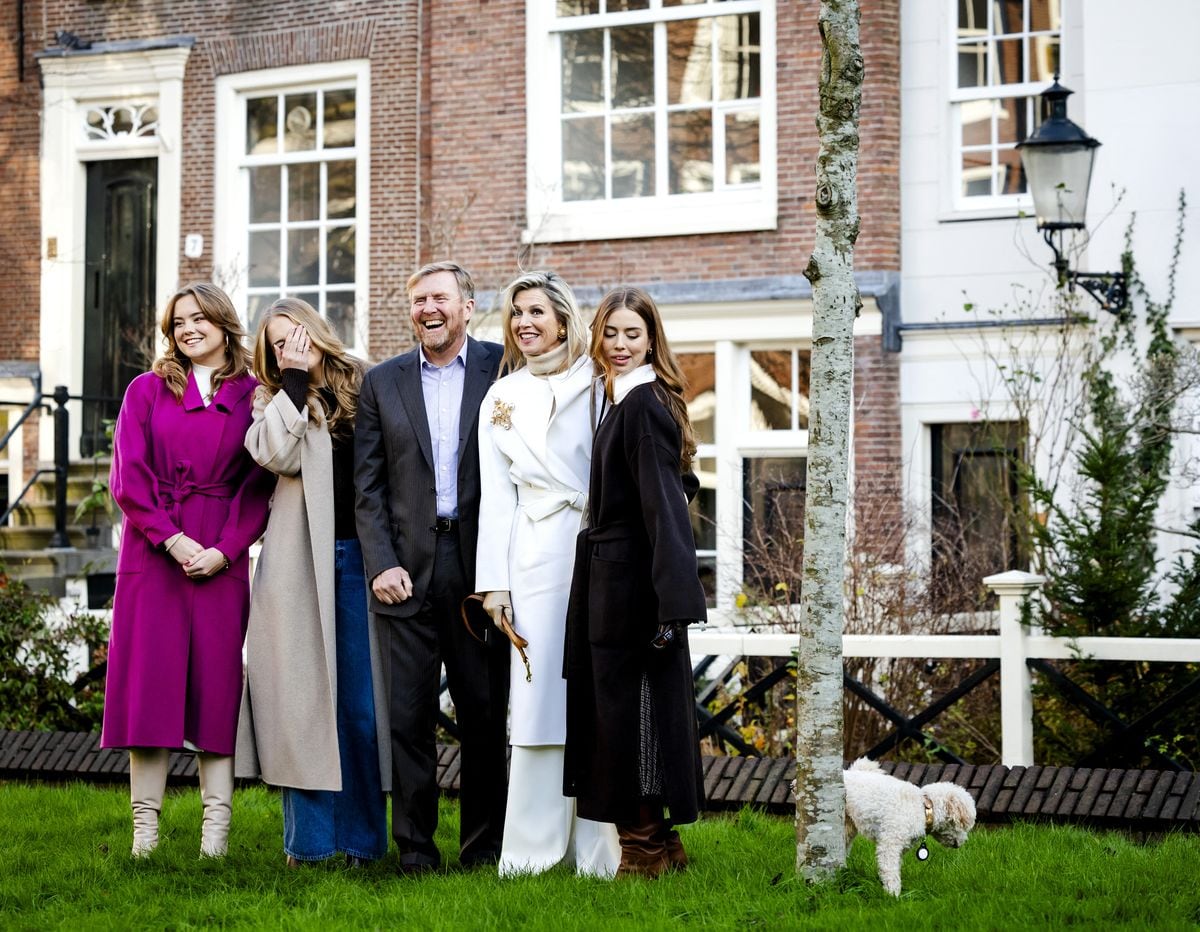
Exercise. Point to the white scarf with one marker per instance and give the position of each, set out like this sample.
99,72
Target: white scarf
548,363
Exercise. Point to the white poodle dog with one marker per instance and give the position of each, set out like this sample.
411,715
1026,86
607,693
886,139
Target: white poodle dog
897,815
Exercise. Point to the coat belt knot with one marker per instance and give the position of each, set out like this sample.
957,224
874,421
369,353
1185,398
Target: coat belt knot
173,493
540,502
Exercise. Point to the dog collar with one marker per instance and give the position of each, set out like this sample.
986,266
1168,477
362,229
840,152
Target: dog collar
923,851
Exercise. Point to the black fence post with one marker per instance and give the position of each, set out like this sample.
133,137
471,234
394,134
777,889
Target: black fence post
62,433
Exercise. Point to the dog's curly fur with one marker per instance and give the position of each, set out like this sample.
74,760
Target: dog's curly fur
892,813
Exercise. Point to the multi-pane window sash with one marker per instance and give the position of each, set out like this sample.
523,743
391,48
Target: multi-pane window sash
300,160
1004,54
658,97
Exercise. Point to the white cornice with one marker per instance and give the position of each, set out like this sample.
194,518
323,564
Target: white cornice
126,72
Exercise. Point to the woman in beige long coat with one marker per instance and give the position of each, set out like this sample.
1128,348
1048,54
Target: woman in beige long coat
314,714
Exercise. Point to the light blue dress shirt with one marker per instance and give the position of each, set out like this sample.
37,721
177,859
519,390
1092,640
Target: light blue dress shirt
442,387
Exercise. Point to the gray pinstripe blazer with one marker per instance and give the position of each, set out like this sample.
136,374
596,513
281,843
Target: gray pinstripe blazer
395,497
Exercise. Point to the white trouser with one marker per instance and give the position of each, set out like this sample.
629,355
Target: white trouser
540,825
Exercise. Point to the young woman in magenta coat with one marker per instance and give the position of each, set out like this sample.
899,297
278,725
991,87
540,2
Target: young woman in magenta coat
632,749
193,501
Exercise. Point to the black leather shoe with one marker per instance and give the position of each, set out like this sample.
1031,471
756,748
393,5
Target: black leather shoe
481,861
414,869
354,862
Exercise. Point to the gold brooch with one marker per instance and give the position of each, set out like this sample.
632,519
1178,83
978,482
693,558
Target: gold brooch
501,414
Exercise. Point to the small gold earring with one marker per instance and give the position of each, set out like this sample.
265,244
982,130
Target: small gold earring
562,332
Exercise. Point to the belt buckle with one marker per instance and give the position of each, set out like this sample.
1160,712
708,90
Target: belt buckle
444,525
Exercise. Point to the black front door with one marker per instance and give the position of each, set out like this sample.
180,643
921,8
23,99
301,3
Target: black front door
118,320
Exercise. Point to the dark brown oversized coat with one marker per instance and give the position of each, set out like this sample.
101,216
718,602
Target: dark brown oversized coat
635,568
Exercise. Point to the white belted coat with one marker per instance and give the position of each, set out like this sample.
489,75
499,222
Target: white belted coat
535,451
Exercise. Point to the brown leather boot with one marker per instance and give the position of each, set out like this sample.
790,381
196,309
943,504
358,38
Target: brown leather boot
643,852
676,857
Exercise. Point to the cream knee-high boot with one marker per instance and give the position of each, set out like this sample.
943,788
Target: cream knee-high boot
147,783
216,792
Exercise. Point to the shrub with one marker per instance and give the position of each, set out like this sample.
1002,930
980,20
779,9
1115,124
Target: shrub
38,690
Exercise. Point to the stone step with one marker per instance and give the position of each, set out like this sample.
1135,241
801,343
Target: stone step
41,514
23,563
78,487
48,570
37,537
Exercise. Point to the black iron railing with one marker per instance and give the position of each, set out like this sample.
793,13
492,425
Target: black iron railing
62,450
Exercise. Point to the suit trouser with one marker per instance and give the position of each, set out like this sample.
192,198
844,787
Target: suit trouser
477,675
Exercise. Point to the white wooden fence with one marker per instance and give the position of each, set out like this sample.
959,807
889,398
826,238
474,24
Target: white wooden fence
1012,646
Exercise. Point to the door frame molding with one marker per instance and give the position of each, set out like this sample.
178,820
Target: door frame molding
74,80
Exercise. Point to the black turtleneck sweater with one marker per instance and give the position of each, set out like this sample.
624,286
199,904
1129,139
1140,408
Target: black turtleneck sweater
295,383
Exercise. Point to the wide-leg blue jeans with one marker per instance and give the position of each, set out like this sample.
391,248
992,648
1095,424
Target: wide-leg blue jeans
319,823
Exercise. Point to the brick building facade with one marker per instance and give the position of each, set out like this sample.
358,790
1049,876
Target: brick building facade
434,160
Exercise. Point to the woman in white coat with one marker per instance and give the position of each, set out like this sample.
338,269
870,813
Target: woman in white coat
535,451
314,714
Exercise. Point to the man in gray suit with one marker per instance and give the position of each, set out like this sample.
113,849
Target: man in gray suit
417,483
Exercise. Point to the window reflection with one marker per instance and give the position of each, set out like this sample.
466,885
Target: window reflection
264,194
583,159
303,267
773,490
739,53
633,155
690,147
264,258
299,122
700,374
262,114
339,262
339,118
779,389
703,510
689,61
632,66
578,7
339,311
340,185
304,191
975,500
741,148
583,71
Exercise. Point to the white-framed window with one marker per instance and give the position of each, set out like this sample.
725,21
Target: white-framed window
1003,54
292,179
649,117
976,501
748,403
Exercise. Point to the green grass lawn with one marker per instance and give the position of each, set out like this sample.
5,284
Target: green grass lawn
66,865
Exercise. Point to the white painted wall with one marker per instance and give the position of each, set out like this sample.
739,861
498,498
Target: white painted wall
1135,70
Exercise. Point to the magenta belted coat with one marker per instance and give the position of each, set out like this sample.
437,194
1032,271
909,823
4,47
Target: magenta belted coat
175,651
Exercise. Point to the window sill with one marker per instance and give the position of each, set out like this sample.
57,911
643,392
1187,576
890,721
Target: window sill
630,219
1005,212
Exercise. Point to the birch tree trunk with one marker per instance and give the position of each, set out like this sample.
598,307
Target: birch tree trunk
820,796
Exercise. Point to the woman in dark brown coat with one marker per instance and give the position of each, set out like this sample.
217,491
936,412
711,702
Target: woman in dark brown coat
632,750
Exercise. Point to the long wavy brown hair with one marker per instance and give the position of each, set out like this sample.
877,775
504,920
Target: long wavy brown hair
671,382
173,366
342,372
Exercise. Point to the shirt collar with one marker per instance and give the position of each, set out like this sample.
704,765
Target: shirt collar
460,357
627,381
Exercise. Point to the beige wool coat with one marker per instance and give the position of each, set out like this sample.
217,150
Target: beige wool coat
287,732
